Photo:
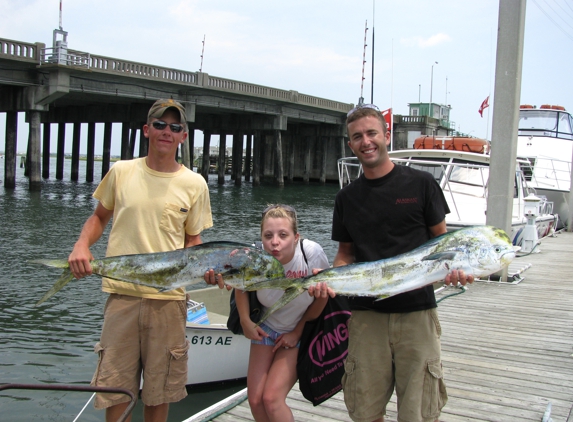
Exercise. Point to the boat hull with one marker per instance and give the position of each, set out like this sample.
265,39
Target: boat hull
215,353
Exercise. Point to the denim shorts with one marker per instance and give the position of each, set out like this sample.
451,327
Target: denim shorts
271,339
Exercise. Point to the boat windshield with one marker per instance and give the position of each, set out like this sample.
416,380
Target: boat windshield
553,123
467,179
436,170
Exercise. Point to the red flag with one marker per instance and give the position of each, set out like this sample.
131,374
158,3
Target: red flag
387,114
483,106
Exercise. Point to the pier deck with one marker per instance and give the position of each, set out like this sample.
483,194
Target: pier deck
507,349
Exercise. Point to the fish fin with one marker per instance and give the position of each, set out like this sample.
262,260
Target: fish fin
381,297
54,263
288,296
64,279
440,255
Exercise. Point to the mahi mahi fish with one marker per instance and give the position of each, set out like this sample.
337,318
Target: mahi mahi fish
479,251
237,262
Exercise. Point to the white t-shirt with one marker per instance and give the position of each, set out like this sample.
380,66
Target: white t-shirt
285,319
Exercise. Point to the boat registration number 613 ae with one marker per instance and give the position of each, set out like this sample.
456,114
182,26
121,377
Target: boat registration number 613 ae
209,340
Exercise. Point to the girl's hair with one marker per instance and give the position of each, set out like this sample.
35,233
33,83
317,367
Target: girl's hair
280,211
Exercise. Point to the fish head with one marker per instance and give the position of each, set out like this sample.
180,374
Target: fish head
255,266
489,250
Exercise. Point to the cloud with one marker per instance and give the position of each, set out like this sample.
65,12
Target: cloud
432,41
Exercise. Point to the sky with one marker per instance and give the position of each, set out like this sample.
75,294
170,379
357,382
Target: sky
316,47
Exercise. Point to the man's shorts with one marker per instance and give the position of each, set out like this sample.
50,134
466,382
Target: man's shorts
388,351
142,333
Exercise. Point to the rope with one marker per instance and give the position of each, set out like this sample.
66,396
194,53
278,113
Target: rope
84,408
463,289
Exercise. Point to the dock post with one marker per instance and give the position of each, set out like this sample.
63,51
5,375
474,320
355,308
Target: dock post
279,171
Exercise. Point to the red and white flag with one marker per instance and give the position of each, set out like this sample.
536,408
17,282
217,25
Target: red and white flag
483,106
387,114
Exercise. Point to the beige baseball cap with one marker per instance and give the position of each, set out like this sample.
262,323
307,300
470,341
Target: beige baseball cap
159,107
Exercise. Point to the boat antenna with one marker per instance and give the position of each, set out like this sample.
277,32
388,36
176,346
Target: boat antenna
372,80
202,53
361,99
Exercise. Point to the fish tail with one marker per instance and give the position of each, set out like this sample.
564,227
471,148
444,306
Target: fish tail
288,296
54,263
64,279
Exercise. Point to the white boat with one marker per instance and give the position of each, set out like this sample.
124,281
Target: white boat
545,140
463,176
215,353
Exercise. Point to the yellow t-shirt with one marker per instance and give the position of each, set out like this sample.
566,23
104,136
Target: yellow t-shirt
152,211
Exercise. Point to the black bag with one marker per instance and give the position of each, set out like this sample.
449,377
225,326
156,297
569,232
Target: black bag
255,307
323,348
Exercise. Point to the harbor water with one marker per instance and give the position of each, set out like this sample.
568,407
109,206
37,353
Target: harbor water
53,343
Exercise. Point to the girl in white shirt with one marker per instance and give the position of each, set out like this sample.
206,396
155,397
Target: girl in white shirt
274,344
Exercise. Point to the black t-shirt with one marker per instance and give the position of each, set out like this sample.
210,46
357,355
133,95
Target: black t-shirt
386,217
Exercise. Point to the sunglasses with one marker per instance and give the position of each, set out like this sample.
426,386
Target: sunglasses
287,208
161,125
362,106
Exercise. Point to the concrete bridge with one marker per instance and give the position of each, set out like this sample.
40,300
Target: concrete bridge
288,135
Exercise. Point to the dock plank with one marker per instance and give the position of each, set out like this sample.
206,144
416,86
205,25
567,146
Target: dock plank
507,349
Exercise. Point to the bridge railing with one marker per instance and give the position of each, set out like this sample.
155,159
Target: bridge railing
19,50
48,56
65,57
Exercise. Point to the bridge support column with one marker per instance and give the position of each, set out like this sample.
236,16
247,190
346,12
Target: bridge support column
60,151
238,157
46,151
34,148
185,155
144,143
76,151
307,162
323,151
90,157
257,158
125,141
132,139
10,149
279,171
106,153
205,163
248,157
291,139
221,163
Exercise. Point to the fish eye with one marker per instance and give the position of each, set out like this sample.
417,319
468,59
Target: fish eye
497,249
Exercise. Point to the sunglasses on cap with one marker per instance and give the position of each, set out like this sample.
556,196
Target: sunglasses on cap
358,107
161,125
287,208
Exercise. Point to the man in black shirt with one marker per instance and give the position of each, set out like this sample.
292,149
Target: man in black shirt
395,342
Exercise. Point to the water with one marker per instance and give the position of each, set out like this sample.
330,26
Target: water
54,342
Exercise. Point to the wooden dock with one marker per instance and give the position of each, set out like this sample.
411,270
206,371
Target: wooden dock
507,350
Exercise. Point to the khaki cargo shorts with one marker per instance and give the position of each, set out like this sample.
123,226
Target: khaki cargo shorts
142,335
388,351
